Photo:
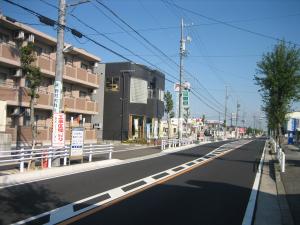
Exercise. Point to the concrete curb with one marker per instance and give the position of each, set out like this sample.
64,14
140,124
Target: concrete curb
286,216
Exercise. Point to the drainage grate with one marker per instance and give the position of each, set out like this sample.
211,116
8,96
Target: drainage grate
134,185
90,202
160,175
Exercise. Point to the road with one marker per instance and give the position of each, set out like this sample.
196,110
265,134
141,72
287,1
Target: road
214,193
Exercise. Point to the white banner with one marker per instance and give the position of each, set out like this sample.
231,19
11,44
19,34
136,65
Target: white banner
58,133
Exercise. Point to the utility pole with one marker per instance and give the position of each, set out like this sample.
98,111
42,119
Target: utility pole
180,81
236,118
59,67
225,117
182,53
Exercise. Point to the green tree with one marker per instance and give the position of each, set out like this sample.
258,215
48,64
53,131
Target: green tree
279,81
34,78
169,109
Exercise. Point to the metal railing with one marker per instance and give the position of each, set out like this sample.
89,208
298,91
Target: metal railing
23,156
173,143
280,155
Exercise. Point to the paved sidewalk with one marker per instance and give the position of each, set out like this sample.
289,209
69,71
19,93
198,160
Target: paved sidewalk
291,180
267,208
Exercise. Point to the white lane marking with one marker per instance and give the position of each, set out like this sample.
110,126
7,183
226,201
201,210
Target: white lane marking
252,200
65,212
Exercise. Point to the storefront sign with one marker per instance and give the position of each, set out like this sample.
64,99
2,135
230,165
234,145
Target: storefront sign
58,134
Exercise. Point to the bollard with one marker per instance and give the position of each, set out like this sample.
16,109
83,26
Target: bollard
283,162
110,152
22,161
65,156
50,157
90,153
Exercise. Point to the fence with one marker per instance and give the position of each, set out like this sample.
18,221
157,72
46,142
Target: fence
48,154
280,155
173,143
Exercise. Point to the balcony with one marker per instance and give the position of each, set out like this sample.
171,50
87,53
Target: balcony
20,97
10,55
81,76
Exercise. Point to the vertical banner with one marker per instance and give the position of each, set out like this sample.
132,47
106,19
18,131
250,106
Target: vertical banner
57,96
58,133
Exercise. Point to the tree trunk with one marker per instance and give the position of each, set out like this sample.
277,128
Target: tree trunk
168,119
32,122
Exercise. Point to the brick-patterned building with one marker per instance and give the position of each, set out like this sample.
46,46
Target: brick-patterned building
79,84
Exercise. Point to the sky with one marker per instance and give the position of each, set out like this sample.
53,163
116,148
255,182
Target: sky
228,38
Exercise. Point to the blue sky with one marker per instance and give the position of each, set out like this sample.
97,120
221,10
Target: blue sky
219,55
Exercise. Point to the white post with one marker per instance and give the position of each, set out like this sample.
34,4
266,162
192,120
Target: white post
50,152
283,163
65,155
22,161
90,153
162,145
110,152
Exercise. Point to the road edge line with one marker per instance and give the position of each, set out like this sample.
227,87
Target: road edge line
248,216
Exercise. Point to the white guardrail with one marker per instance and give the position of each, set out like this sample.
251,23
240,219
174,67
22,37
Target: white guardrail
173,143
280,155
22,155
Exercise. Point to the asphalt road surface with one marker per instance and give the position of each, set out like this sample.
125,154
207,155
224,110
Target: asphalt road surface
215,193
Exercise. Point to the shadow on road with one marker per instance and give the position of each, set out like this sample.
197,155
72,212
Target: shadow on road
17,204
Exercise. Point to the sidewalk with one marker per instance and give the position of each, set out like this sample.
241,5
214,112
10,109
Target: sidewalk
278,201
291,180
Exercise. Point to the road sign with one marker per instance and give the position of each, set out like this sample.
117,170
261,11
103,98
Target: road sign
58,133
77,142
185,98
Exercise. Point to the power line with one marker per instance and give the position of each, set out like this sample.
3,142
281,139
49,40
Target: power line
152,45
77,33
229,24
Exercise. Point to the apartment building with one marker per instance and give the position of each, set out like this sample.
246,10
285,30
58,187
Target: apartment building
80,82
133,101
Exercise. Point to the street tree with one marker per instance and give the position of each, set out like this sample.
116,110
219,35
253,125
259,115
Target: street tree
34,78
169,109
279,81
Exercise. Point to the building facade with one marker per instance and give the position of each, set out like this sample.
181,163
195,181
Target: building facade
79,84
133,102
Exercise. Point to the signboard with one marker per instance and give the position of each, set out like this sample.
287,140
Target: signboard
292,124
77,142
185,86
58,133
242,130
185,98
57,96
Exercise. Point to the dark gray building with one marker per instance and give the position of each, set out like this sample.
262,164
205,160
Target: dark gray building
133,101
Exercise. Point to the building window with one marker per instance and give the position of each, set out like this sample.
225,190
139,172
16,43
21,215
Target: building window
112,84
69,61
3,77
38,50
4,38
84,66
82,94
138,91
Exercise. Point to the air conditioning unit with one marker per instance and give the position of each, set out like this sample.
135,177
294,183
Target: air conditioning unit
19,35
30,38
16,112
16,72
